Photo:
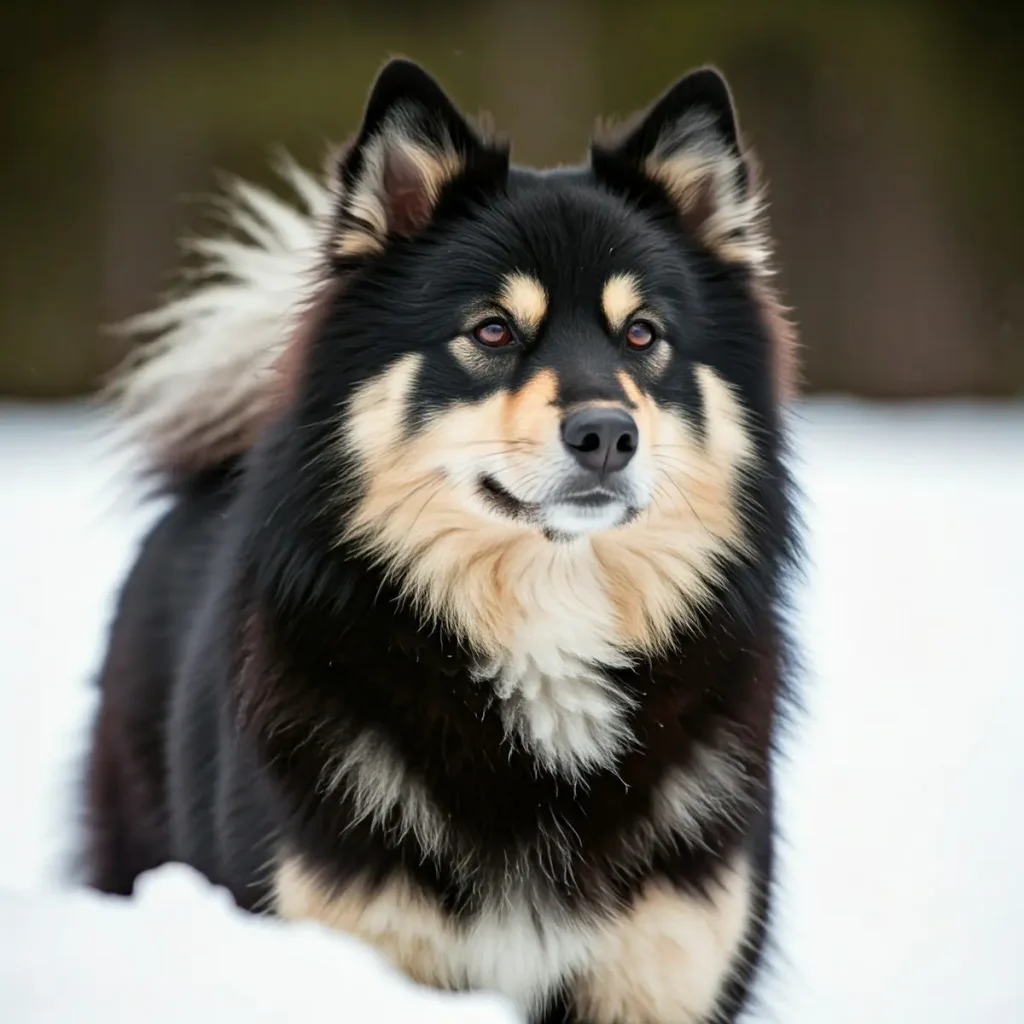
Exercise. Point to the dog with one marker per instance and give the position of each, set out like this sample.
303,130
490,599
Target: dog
464,631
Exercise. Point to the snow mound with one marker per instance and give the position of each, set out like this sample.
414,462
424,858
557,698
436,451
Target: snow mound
181,951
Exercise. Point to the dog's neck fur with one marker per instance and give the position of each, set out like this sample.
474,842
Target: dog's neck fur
557,702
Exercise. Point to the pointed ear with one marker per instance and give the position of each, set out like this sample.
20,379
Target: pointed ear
413,150
687,145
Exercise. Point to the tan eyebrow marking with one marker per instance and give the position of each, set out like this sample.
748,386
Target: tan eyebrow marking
620,298
525,298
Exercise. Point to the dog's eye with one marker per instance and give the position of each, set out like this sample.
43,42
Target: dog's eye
641,334
494,334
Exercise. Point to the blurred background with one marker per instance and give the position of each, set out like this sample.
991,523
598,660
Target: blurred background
890,132
892,140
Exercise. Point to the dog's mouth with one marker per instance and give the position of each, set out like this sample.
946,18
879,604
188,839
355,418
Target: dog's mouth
566,513
596,498
504,501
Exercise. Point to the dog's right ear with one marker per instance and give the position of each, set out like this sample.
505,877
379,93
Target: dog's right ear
687,143
413,152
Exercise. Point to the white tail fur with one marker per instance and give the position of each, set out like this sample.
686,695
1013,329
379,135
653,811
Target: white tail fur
200,388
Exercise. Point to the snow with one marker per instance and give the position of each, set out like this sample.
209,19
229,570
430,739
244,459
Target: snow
80,950
901,894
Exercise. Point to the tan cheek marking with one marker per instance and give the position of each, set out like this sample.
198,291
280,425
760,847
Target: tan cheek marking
459,567
525,298
666,960
660,568
712,463
620,299
376,413
395,918
728,443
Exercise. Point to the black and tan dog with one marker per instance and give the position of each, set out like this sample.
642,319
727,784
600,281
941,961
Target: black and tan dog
463,633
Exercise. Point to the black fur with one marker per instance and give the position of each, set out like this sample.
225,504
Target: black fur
250,644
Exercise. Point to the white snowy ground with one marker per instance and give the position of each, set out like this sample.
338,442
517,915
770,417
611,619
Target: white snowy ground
903,898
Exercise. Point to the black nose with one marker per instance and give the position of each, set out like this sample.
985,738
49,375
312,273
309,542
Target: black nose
601,439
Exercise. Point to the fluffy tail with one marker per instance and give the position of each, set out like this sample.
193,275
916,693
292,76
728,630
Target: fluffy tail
200,382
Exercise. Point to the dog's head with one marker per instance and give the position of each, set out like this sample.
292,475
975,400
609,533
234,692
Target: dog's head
574,367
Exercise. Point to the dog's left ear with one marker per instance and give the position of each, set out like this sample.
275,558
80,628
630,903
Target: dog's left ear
414,150
687,145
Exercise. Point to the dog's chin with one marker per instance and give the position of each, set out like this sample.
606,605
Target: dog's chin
563,518
571,519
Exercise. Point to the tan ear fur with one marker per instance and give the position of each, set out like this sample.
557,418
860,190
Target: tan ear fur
709,182
397,189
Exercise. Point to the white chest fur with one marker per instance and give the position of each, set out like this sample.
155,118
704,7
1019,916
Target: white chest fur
556,701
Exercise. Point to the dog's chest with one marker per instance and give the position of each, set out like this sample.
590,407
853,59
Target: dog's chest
556,696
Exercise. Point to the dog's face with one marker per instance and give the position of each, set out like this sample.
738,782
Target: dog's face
532,361
548,378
